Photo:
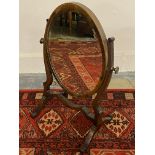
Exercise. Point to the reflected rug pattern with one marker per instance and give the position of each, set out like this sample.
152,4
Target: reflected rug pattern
77,61
59,130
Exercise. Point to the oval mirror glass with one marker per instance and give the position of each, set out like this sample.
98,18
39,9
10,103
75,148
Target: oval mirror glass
75,50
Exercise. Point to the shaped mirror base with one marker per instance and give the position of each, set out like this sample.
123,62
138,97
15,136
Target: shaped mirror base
91,133
36,111
98,119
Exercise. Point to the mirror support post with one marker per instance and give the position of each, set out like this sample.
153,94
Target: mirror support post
100,119
49,79
107,78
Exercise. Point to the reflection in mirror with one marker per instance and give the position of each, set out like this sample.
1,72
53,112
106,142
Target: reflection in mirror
71,25
75,52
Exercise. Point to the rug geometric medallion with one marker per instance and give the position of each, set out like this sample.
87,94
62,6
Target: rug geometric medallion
59,130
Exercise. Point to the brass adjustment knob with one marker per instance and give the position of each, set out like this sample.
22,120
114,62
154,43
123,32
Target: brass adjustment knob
41,40
115,69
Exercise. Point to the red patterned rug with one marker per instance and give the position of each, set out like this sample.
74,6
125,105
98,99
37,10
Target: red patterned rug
58,130
77,61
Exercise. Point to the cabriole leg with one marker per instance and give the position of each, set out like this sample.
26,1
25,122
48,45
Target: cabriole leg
43,101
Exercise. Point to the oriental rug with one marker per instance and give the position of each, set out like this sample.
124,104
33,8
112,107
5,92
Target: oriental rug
59,130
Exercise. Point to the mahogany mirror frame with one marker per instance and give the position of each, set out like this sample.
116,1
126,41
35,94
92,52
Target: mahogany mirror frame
91,18
107,48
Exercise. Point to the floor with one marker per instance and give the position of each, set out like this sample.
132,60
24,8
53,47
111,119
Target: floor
121,80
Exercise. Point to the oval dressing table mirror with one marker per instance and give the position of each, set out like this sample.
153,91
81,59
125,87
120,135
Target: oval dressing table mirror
80,57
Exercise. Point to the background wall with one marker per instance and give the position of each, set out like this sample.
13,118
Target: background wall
116,17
